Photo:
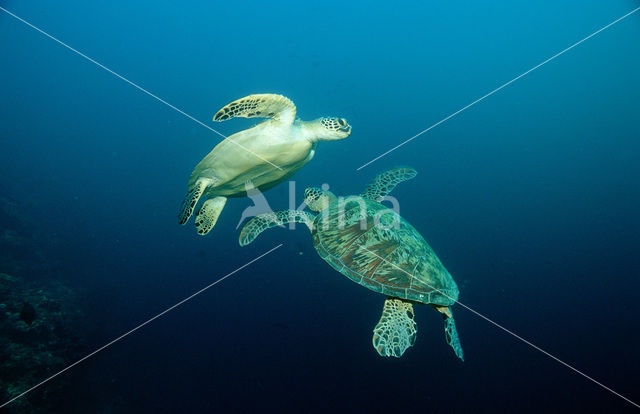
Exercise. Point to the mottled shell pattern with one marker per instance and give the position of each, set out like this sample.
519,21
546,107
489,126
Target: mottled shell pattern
375,247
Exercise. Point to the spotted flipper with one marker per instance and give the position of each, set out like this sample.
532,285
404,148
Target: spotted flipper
265,221
208,214
264,105
191,199
385,182
396,330
451,334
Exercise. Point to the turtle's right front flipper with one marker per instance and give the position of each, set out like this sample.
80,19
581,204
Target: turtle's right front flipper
396,330
385,182
262,105
260,223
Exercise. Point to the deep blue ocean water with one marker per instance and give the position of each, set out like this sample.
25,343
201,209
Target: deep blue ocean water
530,198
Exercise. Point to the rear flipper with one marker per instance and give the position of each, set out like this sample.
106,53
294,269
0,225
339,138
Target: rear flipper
190,200
208,214
451,334
396,330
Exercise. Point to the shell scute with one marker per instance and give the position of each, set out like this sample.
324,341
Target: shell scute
377,248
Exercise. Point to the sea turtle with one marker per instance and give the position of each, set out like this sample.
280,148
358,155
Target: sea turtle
375,247
256,158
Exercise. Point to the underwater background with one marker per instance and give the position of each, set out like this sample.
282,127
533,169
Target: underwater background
530,198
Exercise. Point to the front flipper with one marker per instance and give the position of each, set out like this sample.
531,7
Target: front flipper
385,182
396,330
208,214
191,199
451,333
264,105
265,221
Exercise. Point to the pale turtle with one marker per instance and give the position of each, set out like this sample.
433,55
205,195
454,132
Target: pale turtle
376,248
260,157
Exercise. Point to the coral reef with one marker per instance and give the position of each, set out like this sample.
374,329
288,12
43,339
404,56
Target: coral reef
39,333
41,324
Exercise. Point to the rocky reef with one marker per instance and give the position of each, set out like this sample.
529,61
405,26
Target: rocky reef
41,323
38,335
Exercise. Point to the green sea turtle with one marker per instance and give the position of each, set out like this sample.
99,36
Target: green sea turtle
375,247
256,158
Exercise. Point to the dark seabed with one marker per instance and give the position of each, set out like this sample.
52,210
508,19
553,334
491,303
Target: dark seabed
530,198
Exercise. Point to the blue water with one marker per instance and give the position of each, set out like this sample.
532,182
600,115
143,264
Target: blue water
530,198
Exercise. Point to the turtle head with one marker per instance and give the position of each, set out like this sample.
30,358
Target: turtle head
329,129
318,199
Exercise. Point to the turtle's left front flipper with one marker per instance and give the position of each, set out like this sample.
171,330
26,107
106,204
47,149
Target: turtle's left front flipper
450,332
396,330
265,221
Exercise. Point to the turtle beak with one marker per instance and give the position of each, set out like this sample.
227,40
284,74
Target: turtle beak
344,126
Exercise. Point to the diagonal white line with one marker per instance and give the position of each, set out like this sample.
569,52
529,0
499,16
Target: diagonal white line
140,326
497,89
509,332
136,86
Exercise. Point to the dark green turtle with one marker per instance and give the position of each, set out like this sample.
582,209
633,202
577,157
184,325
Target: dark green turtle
375,247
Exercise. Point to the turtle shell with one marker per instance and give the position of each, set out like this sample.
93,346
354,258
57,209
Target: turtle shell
375,247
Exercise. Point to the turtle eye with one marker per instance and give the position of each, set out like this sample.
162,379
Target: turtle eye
341,122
